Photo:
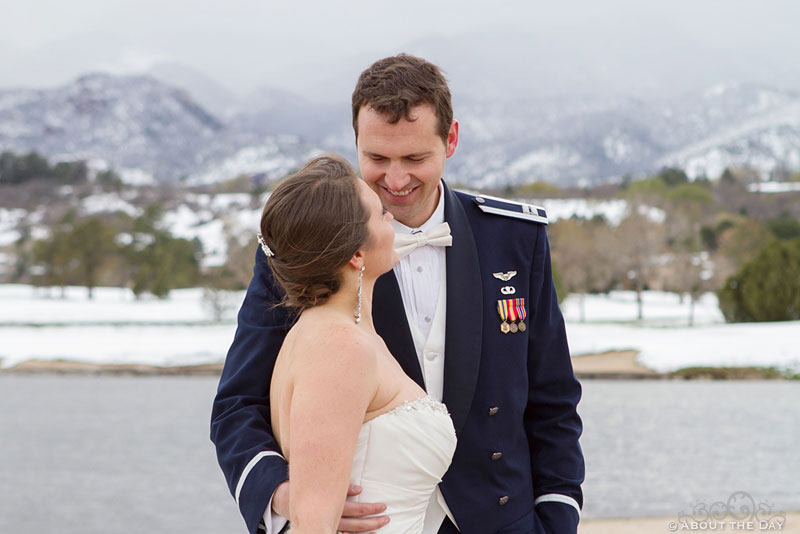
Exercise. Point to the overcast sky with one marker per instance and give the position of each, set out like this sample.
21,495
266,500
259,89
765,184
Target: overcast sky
244,44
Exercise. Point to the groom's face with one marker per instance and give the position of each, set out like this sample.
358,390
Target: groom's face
403,162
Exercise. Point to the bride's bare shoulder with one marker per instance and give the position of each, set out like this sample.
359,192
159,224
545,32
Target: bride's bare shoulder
324,344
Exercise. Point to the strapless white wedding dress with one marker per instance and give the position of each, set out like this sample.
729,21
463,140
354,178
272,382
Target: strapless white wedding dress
400,458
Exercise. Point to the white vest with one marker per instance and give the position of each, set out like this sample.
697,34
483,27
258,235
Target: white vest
430,353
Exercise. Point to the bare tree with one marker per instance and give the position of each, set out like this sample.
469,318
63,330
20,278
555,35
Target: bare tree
582,250
688,269
690,273
639,242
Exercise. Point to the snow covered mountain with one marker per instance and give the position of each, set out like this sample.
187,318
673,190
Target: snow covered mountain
562,141
134,122
571,140
137,122
734,125
212,95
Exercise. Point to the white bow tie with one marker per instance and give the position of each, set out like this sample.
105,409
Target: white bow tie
438,236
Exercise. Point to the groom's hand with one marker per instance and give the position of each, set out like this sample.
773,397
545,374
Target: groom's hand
352,521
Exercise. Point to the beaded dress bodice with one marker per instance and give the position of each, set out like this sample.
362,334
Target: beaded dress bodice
400,458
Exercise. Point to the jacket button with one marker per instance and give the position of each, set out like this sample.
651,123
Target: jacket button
497,455
502,500
493,410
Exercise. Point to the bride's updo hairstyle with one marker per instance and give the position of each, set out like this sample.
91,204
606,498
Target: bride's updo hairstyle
313,223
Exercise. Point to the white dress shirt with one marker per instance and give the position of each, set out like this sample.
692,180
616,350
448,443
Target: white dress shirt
420,273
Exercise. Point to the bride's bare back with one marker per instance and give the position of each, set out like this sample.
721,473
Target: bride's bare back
340,366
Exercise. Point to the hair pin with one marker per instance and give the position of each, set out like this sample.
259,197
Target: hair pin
264,246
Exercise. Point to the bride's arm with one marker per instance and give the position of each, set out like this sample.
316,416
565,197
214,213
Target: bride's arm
335,380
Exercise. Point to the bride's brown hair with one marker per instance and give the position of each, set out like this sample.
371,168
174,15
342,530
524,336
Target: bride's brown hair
314,222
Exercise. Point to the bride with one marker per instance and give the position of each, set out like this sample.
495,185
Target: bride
342,409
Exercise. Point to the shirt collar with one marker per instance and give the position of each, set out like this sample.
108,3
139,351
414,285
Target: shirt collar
435,219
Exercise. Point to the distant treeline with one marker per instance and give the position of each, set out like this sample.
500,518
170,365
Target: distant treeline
114,250
19,169
715,236
684,236
108,249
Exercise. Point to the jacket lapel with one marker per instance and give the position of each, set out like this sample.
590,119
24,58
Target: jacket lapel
389,317
463,333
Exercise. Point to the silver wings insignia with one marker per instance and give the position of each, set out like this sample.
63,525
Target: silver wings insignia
505,277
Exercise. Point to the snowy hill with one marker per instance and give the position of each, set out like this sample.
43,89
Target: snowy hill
563,141
735,125
129,122
133,121
569,140
142,124
206,91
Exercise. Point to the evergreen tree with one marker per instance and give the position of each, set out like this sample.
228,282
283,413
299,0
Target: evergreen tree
165,264
23,254
31,166
109,180
767,288
53,257
784,226
159,261
7,163
72,172
92,246
673,176
727,177
20,169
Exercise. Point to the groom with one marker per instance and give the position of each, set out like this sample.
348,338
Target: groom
477,324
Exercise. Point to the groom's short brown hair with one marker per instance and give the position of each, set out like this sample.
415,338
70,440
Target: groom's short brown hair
394,85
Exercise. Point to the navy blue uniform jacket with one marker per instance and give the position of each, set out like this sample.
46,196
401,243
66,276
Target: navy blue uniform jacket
513,393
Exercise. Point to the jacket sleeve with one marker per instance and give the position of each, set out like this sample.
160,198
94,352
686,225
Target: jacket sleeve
247,452
551,418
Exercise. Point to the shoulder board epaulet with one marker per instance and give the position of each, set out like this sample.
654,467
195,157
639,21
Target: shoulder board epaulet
509,208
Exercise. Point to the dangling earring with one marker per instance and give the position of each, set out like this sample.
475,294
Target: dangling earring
358,306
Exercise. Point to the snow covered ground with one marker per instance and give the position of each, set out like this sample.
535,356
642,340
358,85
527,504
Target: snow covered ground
116,328
659,309
112,328
664,340
668,349
22,305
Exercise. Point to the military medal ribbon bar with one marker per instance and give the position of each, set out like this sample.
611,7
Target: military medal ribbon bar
511,311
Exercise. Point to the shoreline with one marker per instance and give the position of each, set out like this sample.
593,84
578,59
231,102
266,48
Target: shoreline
620,365
68,367
612,365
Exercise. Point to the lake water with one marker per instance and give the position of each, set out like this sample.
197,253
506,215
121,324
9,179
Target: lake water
131,455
